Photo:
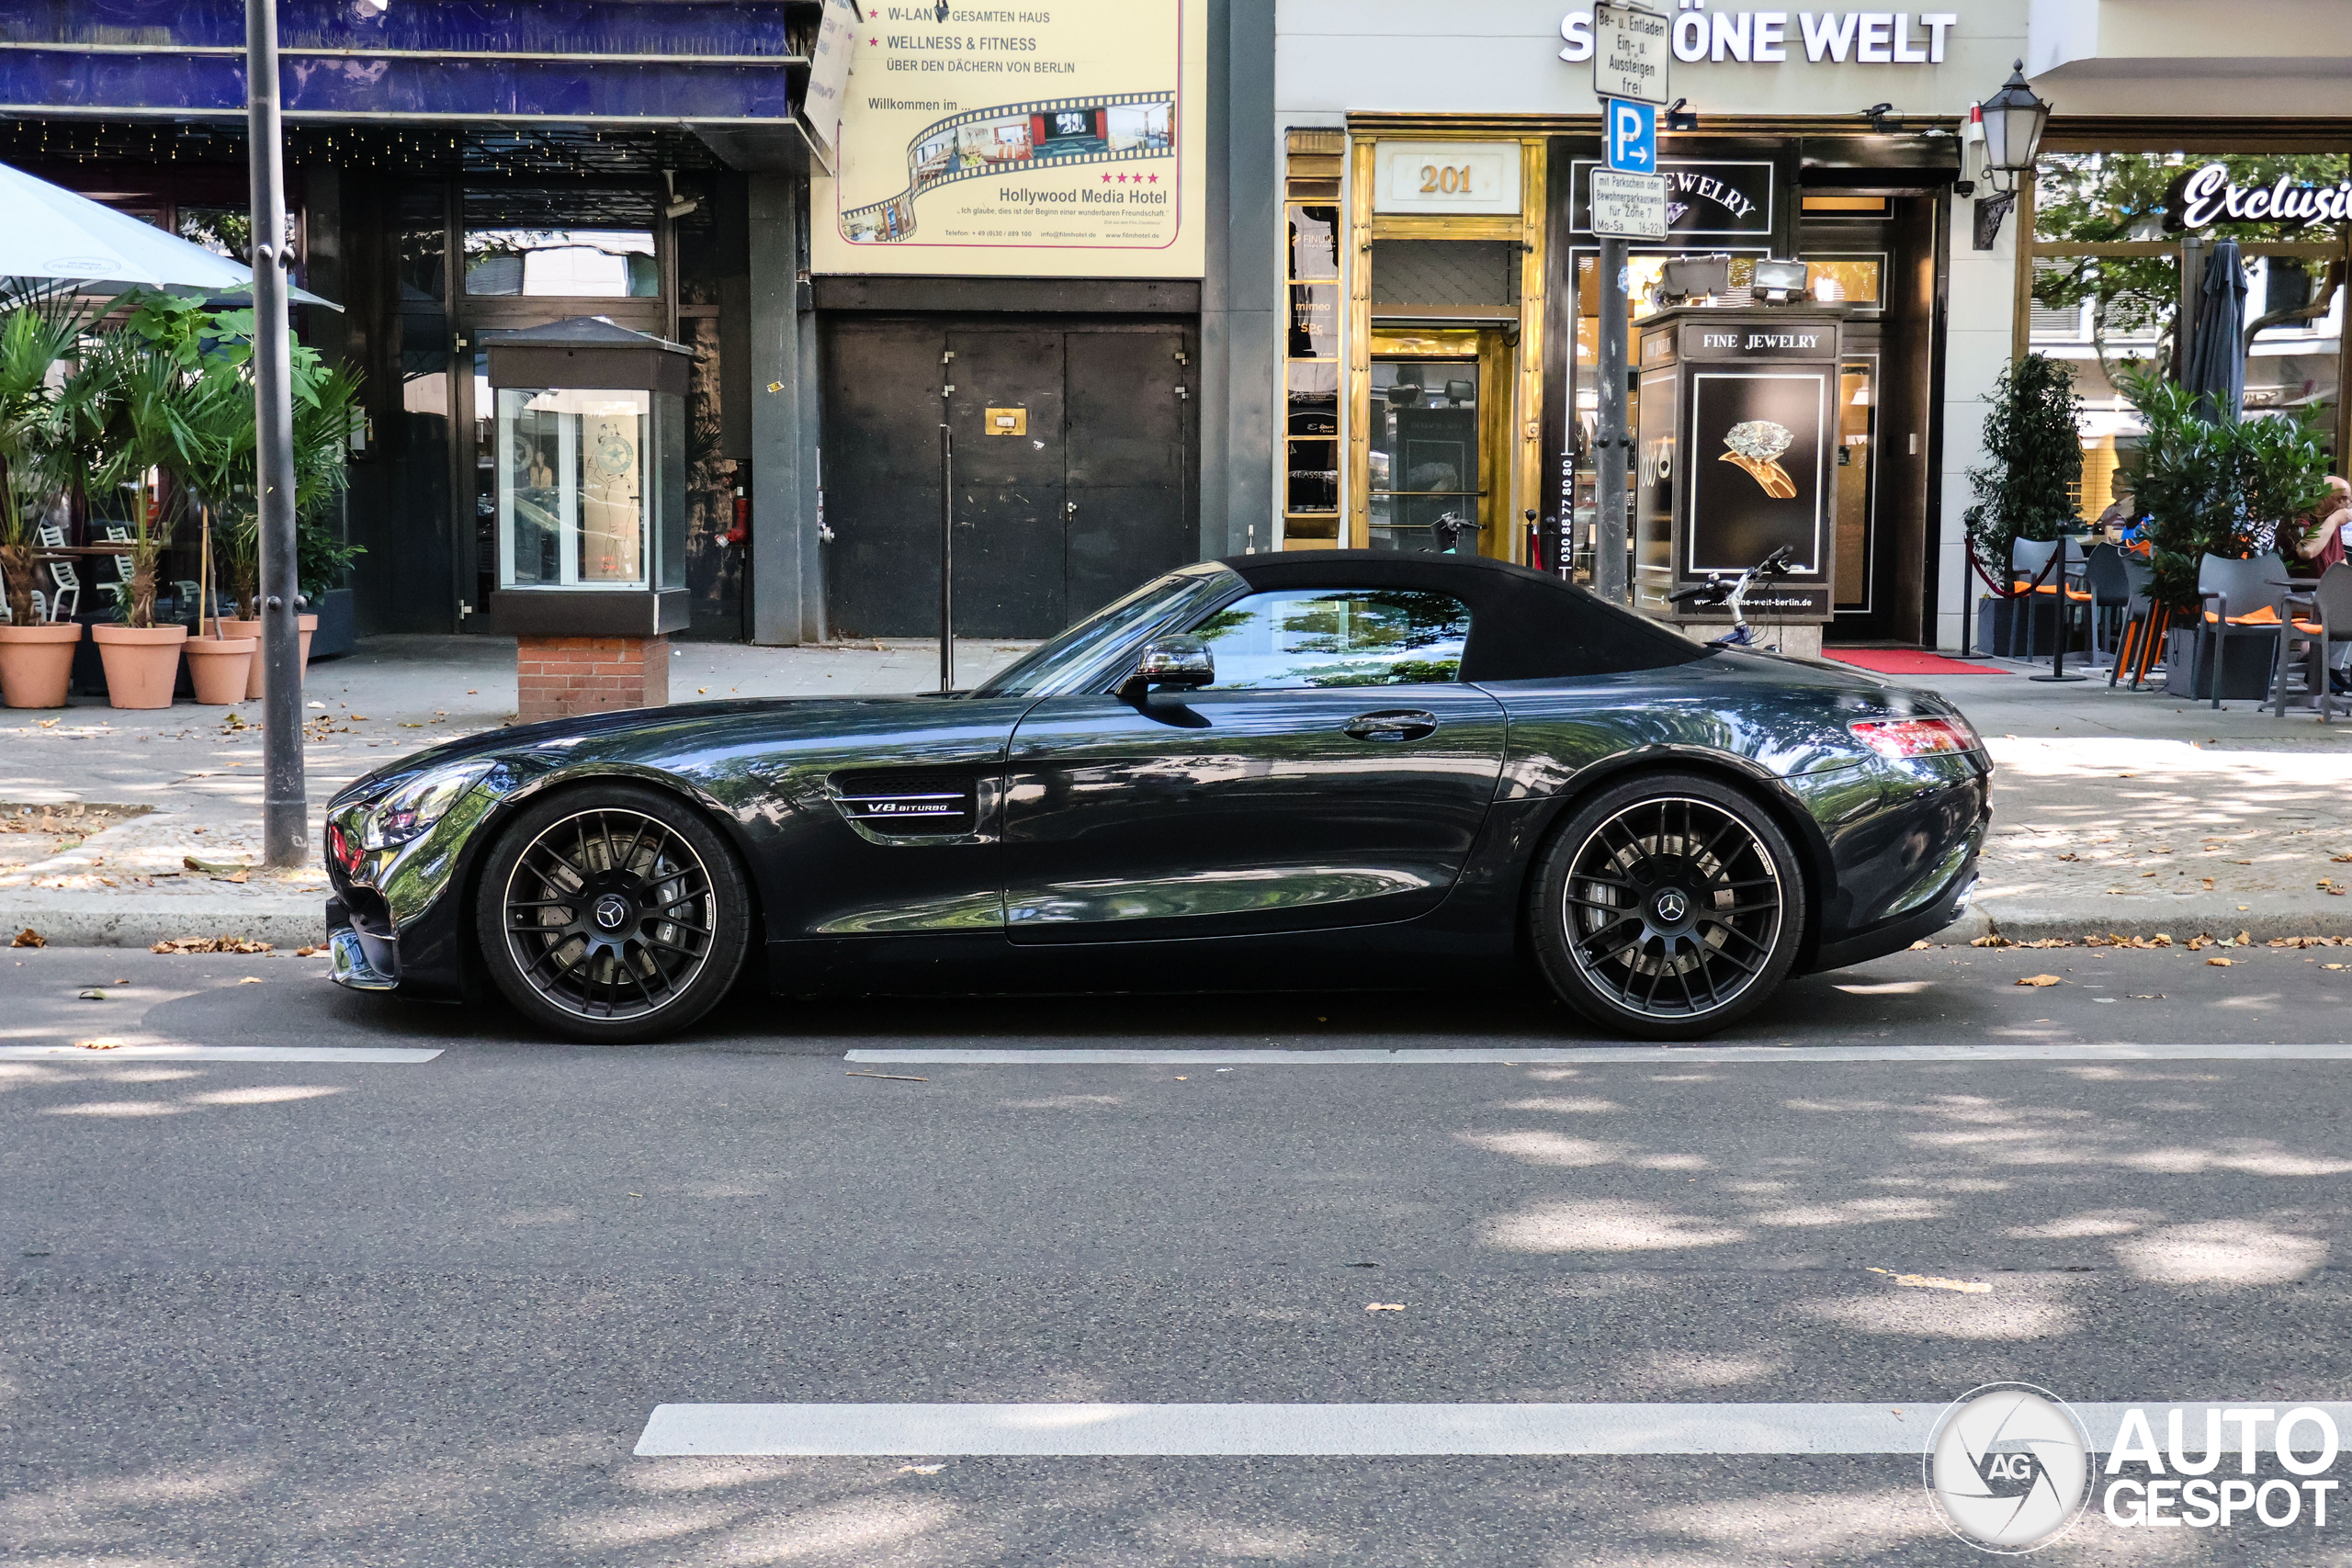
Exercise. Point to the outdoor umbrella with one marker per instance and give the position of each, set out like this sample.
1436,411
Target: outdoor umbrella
2215,368
54,236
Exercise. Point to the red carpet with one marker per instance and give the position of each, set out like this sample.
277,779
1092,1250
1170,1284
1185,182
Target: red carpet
1906,661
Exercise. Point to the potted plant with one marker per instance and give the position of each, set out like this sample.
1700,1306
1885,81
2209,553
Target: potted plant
2034,451
140,397
225,458
2215,488
36,656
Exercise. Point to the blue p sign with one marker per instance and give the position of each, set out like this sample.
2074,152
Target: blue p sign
1632,137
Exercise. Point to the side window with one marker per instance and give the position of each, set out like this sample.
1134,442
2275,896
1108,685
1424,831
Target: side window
1336,637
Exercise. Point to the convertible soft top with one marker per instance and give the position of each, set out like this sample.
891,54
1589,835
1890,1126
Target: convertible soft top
1524,626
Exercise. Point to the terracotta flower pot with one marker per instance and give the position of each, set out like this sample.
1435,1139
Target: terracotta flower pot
37,663
219,666
306,624
142,663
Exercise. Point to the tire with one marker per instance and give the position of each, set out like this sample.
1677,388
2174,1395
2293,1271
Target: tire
1666,908
613,913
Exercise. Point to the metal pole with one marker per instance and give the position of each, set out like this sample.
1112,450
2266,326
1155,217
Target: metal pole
284,809
1609,461
946,558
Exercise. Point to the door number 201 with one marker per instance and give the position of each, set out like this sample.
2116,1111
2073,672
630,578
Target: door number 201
1445,179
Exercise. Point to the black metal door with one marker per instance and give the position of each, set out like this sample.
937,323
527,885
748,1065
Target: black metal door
1074,470
1006,412
1128,481
881,467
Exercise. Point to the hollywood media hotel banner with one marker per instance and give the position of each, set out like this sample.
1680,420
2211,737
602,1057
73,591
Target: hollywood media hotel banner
1061,140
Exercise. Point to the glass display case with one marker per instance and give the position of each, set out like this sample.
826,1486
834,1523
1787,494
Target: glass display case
572,497
584,470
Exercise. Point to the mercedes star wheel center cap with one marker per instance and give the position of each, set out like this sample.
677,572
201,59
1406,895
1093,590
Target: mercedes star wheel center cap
1671,907
612,909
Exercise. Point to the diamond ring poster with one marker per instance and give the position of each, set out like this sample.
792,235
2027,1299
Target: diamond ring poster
1059,140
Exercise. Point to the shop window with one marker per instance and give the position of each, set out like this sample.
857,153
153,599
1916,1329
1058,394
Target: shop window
2114,249
1855,279
561,244
424,242
1311,377
223,231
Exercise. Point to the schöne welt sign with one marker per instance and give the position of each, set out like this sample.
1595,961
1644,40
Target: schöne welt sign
1819,37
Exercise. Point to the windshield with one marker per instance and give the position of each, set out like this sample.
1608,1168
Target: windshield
1062,664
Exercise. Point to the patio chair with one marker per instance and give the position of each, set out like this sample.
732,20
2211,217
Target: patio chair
41,608
2144,623
120,589
2239,602
2038,567
2108,588
2320,620
69,588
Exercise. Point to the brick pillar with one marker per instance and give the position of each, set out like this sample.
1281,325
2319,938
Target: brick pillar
557,677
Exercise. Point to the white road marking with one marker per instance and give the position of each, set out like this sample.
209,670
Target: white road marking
395,1056
1625,1055
1100,1430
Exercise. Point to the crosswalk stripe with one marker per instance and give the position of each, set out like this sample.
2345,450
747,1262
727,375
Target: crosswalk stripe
393,1056
1625,1055
1897,1427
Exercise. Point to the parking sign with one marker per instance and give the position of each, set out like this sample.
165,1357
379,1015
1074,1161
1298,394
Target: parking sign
1632,135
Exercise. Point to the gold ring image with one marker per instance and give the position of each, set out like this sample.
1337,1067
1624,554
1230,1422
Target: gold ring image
1756,447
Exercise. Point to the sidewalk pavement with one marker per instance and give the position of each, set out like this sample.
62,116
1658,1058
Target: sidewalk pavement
2114,812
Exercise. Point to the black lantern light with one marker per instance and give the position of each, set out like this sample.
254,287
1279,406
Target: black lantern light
2013,118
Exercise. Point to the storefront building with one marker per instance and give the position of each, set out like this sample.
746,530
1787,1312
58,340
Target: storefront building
1443,305
458,172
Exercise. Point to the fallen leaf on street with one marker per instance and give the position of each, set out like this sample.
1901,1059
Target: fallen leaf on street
1994,940
1383,1307
308,951
217,867
921,1469
1922,945
2219,962
2040,980
1934,1283
210,944
249,980
93,996
29,938
96,1045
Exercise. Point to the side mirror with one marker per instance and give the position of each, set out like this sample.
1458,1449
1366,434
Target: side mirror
1181,662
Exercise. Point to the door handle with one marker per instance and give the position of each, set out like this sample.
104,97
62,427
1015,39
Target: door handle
1397,724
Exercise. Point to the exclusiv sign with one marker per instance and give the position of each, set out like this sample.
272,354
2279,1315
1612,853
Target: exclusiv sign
2209,195
1864,38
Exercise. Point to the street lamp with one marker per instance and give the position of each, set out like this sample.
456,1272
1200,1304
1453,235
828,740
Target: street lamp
2013,119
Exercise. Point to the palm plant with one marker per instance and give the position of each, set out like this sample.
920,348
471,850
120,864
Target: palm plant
135,400
33,338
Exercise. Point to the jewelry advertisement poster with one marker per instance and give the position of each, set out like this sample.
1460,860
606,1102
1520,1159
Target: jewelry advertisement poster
1758,476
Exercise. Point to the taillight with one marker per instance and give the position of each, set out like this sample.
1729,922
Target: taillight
341,848
1914,737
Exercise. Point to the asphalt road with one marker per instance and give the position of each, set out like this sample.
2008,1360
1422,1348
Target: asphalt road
290,1312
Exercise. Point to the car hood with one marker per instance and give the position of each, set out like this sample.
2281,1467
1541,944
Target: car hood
645,734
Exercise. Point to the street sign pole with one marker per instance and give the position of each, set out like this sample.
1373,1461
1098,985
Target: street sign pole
1609,457
1629,64
284,809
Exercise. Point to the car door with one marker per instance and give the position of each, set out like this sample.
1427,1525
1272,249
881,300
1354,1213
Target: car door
1335,773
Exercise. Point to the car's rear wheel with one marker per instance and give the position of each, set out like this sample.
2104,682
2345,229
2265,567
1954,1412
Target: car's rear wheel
613,913
1667,906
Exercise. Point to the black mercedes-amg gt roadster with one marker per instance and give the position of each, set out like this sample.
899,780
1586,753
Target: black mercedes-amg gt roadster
1328,770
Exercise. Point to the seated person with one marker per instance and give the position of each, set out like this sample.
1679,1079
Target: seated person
2322,533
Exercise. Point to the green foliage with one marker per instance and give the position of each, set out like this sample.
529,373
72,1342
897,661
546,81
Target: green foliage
2220,489
2035,456
33,338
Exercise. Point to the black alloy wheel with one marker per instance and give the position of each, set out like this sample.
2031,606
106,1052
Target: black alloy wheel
613,913
1667,908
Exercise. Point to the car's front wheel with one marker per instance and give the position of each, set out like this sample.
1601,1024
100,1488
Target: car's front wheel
613,913
1667,906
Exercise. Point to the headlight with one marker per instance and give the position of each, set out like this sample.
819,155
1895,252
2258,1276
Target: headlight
418,803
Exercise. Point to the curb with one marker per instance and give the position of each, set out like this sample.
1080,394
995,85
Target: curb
2077,918
99,920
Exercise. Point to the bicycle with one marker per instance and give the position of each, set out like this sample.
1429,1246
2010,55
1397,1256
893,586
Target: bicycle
1733,593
